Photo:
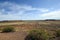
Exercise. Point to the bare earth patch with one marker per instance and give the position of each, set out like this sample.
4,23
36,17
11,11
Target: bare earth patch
13,36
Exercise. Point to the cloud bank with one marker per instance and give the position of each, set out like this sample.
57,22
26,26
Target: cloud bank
13,11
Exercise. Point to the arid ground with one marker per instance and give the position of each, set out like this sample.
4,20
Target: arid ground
22,28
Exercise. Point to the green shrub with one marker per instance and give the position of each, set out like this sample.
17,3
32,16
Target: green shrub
38,35
8,29
58,33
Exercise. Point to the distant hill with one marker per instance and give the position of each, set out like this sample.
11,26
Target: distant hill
29,20
11,21
50,20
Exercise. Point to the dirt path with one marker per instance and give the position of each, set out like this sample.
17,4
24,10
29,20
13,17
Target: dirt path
13,36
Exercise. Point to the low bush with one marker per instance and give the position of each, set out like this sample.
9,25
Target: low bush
39,35
8,29
58,33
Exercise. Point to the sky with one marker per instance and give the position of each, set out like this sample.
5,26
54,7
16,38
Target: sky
29,9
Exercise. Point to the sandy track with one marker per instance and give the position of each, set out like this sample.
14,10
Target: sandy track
13,36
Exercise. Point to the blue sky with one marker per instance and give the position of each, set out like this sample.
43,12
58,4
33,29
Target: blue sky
29,9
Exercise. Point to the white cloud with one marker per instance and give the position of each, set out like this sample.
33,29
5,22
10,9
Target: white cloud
51,15
43,10
12,11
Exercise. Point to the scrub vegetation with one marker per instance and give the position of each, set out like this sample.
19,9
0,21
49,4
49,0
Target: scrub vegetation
30,30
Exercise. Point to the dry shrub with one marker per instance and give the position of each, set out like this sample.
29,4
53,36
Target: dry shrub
58,33
8,29
39,35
